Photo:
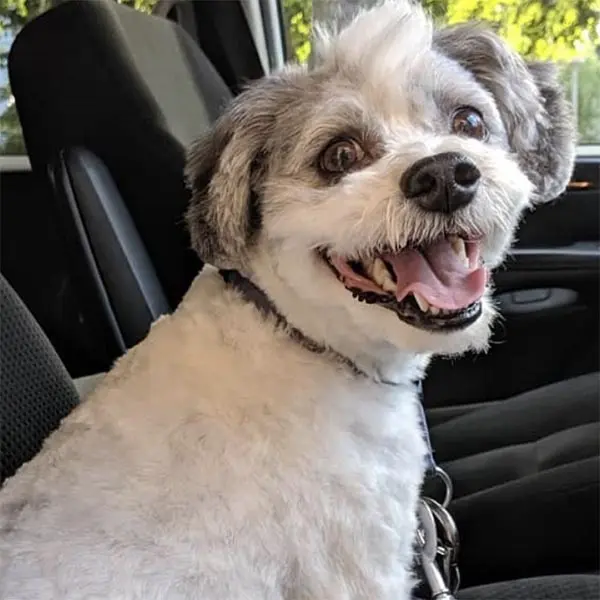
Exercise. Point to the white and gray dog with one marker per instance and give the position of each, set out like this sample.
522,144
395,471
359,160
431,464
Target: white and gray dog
263,441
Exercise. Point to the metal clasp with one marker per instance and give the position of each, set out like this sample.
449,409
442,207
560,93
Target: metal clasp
448,487
448,543
437,539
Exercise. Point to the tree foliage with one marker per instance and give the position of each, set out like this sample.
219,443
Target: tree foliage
561,30
557,30
298,17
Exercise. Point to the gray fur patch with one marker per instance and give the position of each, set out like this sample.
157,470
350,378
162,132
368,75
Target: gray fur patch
224,171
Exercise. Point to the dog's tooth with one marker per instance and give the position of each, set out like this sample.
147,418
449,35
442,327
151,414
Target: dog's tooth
368,265
384,278
388,284
381,276
434,310
457,244
376,271
459,248
423,304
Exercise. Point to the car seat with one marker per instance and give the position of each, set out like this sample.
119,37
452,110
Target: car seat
109,98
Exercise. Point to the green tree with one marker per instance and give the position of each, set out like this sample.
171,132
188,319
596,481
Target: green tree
11,139
298,18
14,14
561,30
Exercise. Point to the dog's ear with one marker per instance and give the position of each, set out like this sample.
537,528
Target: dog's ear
223,172
531,101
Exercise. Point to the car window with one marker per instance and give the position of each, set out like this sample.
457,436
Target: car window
14,14
566,32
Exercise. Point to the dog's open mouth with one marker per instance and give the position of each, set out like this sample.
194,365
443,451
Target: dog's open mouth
436,287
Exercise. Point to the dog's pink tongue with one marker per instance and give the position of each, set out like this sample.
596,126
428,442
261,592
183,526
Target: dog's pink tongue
439,275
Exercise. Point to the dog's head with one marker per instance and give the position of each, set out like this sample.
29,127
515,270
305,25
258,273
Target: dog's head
371,195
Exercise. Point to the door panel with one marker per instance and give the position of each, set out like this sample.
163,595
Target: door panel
571,218
548,295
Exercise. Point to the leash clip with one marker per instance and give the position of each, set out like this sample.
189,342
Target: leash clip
437,539
448,487
448,543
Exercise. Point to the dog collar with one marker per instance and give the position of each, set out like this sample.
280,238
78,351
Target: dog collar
263,303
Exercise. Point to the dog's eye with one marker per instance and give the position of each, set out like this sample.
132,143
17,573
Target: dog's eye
468,122
341,156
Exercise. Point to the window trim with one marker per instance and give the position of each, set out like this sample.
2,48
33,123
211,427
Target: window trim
274,32
592,150
13,163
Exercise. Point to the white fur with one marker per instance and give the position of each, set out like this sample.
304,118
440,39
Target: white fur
219,460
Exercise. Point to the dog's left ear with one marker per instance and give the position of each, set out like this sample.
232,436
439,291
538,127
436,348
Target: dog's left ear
531,101
223,171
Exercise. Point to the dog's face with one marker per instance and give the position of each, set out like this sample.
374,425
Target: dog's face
378,189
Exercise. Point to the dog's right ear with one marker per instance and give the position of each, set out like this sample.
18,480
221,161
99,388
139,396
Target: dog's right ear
223,171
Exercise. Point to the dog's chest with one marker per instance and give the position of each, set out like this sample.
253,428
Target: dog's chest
323,491
357,520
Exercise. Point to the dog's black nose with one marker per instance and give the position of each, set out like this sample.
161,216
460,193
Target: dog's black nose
441,183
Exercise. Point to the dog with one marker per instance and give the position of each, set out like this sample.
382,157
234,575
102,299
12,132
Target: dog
263,441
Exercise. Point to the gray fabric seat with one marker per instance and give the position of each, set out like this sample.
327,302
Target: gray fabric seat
526,473
36,392
565,587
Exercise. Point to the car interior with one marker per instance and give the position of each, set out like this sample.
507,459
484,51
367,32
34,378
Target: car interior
94,249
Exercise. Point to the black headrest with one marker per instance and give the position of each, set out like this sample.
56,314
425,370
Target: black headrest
135,90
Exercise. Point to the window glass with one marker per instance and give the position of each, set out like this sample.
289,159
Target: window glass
14,14
563,31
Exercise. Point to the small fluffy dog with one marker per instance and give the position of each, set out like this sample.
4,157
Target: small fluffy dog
263,442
